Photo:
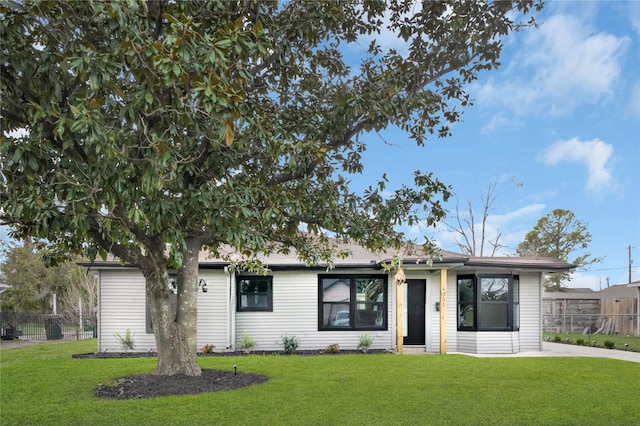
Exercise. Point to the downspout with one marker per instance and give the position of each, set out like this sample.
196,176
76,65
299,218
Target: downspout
231,317
99,308
540,309
443,310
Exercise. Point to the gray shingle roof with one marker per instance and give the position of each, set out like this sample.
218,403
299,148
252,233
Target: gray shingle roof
361,257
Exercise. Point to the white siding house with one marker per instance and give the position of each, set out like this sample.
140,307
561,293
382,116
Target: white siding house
492,305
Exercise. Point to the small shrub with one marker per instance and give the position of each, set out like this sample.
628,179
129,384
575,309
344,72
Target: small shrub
208,348
289,343
365,342
126,341
557,338
333,348
580,341
609,344
247,343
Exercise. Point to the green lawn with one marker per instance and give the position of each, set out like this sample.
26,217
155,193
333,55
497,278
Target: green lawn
43,385
633,342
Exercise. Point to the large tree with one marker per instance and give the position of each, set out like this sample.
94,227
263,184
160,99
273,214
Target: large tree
138,126
561,236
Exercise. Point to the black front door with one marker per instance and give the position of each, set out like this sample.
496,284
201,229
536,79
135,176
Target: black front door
416,296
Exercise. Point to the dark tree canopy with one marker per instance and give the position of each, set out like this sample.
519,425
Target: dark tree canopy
559,235
132,125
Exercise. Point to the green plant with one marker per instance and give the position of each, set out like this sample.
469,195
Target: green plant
597,340
247,343
557,338
289,343
580,341
365,342
126,341
333,348
609,344
208,348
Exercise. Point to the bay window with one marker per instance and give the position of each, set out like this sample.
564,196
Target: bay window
488,302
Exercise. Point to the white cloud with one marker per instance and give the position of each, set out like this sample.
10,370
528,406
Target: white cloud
580,280
594,154
524,212
497,121
562,64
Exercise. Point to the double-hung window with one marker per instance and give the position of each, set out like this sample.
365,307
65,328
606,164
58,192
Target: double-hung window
352,302
255,293
488,302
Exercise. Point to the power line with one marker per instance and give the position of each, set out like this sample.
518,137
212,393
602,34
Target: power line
613,269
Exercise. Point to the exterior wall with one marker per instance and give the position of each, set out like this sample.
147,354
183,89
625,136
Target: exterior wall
467,342
433,316
530,311
489,342
213,310
295,313
122,307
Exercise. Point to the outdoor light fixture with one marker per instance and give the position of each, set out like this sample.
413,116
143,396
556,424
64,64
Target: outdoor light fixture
437,306
235,369
202,283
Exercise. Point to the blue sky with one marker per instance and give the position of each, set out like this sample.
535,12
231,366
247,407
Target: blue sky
556,126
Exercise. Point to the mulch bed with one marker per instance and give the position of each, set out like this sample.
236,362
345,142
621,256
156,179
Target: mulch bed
152,386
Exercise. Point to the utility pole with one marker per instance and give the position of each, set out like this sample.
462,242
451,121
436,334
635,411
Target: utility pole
630,262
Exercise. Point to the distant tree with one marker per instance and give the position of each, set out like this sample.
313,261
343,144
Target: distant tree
473,237
131,127
80,295
559,235
32,283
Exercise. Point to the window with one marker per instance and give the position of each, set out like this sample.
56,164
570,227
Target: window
352,302
488,302
255,293
173,302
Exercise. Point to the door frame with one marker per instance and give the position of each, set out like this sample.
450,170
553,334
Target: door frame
415,313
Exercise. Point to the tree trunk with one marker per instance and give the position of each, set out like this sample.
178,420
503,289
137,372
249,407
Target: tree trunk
176,338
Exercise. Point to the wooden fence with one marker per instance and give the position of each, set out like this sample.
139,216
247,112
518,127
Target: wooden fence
625,311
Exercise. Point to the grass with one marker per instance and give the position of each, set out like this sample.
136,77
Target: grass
619,341
43,385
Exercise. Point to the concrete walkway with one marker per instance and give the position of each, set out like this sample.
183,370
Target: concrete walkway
562,349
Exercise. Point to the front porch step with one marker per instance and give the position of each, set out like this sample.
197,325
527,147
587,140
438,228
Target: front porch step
414,350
